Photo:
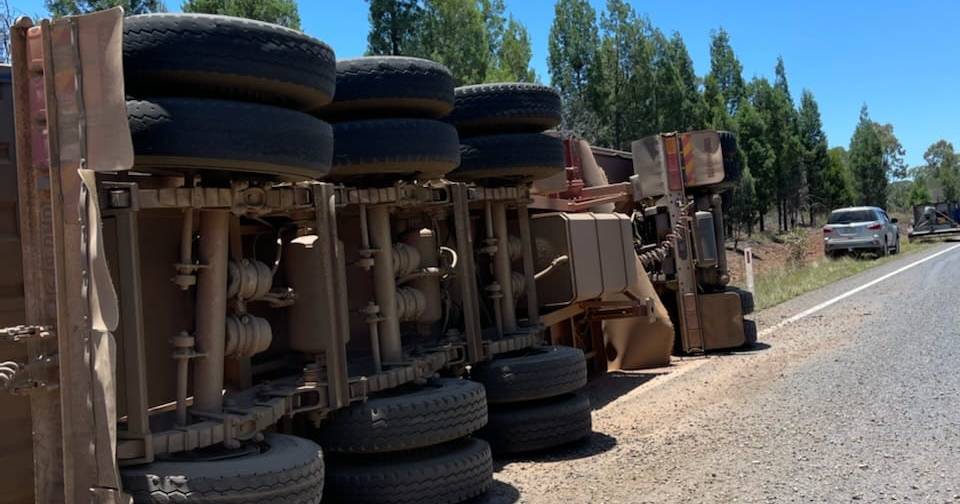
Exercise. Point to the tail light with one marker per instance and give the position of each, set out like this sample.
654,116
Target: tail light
874,227
827,230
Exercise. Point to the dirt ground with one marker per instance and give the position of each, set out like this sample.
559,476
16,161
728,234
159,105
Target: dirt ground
768,254
832,408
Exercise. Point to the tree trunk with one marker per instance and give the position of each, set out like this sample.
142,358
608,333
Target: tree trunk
779,215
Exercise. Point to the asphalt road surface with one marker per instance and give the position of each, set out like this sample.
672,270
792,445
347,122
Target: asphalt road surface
858,401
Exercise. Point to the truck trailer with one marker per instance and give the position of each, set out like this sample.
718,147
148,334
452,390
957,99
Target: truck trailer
244,271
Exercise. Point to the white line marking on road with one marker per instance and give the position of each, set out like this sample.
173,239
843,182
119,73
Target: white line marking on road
815,309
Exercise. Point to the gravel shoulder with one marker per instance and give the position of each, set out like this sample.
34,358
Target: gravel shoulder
858,402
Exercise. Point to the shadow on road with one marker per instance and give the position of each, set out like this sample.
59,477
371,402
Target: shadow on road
607,388
757,347
499,493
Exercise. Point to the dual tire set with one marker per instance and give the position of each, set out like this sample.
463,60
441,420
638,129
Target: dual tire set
535,399
218,94
204,94
207,95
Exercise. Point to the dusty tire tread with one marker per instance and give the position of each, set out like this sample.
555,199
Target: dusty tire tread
545,372
511,158
448,473
454,409
394,147
539,425
226,57
505,107
390,86
225,135
274,479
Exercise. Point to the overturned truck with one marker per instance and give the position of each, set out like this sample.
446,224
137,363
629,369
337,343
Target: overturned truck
669,195
248,272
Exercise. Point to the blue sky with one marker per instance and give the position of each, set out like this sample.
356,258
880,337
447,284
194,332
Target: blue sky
900,58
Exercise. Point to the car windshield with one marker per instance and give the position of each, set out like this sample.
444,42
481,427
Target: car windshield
848,216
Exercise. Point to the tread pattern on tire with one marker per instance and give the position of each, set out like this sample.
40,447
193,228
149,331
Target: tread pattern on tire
226,57
291,472
534,374
229,135
538,425
394,147
391,86
512,157
505,107
440,411
448,473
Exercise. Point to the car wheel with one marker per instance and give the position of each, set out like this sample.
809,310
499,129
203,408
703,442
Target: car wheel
896,247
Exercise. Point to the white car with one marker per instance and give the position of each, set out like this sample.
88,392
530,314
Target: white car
860,229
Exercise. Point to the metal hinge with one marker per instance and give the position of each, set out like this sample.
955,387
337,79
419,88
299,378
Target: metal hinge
25,333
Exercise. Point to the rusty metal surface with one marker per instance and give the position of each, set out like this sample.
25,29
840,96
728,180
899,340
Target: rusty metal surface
36,228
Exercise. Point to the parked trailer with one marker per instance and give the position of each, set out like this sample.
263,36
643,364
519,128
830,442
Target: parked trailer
933,220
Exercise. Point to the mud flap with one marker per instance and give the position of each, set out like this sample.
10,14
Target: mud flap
71,124
639,342
104,317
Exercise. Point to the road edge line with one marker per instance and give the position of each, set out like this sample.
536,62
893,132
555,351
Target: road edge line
841,297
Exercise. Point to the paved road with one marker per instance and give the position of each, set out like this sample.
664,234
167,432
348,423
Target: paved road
859,402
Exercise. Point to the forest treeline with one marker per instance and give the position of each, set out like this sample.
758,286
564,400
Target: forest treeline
622,78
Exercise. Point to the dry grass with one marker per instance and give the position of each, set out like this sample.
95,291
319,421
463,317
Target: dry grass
776,286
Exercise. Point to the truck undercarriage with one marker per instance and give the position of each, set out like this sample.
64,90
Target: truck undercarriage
234,283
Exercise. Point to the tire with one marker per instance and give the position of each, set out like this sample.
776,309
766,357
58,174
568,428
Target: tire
443,410
538,425
390,86
200,133
732,167
225,57
747,304
532,374
896,247
289,471
504,108
448,473
749,333
509,158
389,148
